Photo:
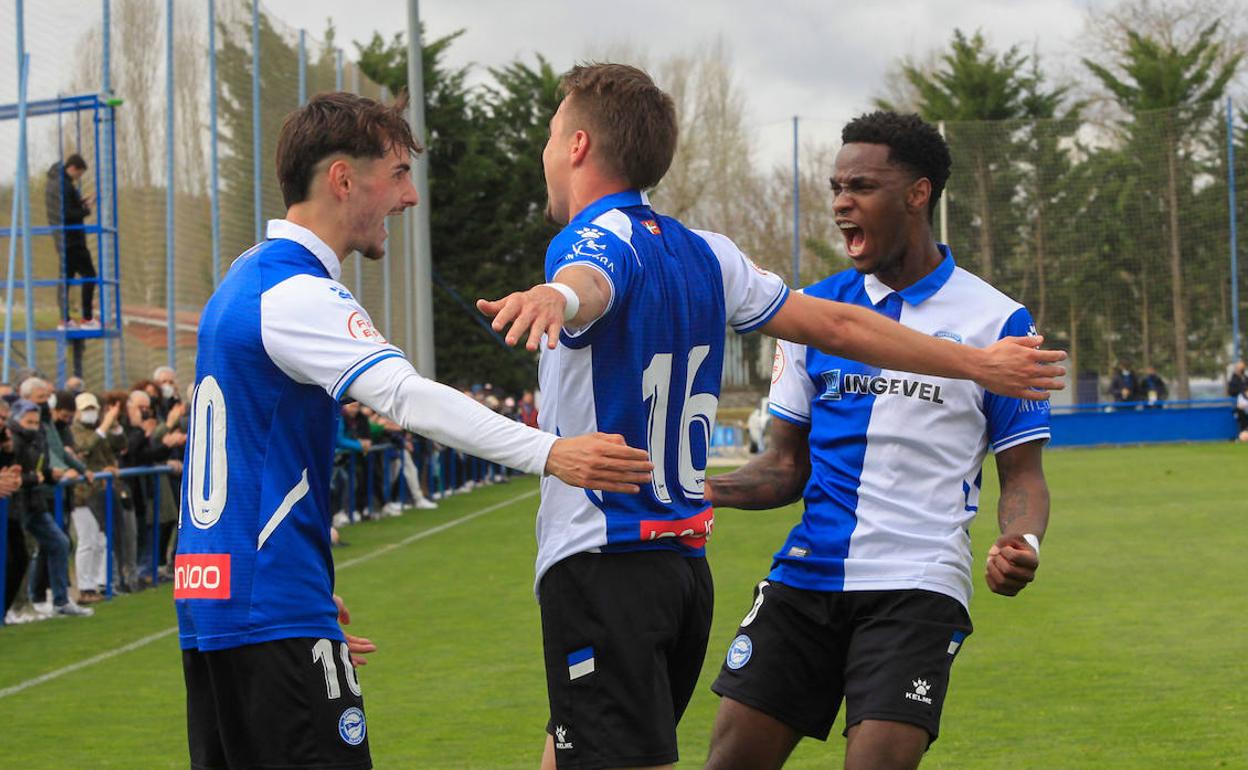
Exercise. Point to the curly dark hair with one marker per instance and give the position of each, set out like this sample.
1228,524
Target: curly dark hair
911,142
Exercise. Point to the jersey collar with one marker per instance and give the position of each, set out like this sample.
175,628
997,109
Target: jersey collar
921,290
604,204
287,230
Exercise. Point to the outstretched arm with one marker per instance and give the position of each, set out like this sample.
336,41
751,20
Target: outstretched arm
1012,367
543,310
593,461
1022,511
774,478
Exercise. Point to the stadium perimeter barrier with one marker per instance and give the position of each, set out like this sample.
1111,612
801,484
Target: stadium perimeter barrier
1139,422
447,471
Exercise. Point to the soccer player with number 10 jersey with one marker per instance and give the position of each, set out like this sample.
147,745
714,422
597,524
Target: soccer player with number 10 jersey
270,676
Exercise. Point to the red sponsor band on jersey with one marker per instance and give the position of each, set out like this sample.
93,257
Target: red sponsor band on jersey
692,531
201,576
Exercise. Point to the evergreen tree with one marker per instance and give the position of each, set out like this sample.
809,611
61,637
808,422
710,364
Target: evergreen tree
487,197
1169,89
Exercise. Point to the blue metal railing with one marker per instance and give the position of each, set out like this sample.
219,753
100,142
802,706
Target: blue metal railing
446,471
1110,406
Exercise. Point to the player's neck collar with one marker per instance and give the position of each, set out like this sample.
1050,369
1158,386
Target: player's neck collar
287,230
921,290
616,200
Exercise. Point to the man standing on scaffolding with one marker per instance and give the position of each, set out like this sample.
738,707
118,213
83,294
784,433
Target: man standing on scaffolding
67,209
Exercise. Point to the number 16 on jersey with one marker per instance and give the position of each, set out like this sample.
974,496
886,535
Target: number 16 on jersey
697,412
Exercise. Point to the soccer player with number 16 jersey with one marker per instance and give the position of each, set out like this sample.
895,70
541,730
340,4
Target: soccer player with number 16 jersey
625,592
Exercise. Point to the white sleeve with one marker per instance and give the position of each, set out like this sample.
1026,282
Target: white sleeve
316,333
395,389
752,295
791,386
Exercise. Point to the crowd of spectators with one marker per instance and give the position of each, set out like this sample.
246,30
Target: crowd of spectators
374,455
56,444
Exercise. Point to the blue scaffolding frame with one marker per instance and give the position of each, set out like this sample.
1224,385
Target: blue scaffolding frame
104,230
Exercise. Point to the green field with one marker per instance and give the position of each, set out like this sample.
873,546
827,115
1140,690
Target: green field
1130,650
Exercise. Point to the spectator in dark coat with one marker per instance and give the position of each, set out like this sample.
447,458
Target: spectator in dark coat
67,208
33,503
1152,389
1237,388
1122,385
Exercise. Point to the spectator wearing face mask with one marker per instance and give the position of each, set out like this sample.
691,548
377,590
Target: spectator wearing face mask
33,503
54,422
10,482
98,444
166,381
150,441
125,525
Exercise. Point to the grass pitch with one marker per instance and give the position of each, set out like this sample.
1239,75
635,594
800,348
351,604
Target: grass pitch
1128,652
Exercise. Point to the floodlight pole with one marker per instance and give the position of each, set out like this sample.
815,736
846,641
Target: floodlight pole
423,256
303,67
171,332
257,200
797,213
944,200
1230,186
215,192
22,187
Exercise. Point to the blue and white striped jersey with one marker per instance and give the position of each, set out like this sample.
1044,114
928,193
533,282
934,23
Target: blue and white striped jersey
896,458
280,341
648,369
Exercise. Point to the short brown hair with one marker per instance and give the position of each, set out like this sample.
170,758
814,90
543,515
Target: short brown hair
632,121
334,123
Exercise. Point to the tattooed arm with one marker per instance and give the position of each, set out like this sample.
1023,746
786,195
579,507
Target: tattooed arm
1023,510
775,478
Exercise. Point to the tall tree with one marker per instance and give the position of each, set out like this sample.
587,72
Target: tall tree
487,196
1182,73
972,84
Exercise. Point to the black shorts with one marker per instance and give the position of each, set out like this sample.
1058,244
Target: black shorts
282,704
888,654
625,637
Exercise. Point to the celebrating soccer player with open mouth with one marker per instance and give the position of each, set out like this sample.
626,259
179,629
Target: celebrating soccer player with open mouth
634,316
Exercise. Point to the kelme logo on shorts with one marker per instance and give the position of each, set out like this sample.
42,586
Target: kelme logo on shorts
921,689
739,652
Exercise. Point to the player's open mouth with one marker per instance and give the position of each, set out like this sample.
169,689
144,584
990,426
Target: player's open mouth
855,239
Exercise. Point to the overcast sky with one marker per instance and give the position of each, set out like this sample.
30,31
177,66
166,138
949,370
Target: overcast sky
819,59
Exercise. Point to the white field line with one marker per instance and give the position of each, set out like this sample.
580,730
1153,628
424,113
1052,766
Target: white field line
71,668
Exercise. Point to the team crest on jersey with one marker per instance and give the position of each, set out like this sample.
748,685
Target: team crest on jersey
360,328
831,386
739,652
590,247
945,334
652,226
351,726
777,365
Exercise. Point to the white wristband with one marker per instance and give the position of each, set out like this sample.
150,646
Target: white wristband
1033,541
574,302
